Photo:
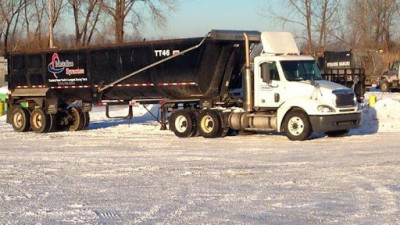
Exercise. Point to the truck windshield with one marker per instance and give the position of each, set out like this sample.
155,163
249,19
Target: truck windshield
301,70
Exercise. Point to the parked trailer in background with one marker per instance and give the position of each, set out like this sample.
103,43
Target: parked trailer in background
192,78
369,61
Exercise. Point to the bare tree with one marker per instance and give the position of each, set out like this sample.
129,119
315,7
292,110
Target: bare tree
9,14
326,21
383,12
300,14
33,13
317,17
372,22
86,16
120,10
58,6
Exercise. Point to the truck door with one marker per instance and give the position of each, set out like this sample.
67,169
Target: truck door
267,86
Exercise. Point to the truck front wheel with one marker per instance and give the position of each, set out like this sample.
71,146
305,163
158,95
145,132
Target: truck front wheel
183,123
297,126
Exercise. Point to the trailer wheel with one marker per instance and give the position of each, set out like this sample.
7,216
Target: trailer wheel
40,121
53,123
76,119
21,119
86,118
183,123
385,86
210,124
337,133
297,125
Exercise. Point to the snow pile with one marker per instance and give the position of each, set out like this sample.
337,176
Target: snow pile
3,90
384,116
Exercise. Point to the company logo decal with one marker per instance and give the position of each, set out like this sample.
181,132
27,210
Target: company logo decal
57,66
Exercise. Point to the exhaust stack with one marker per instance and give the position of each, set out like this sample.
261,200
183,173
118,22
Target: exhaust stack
248,95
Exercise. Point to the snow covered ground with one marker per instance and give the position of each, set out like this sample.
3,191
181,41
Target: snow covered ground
131,172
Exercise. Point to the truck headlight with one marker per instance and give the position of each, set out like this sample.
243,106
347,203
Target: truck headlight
325,109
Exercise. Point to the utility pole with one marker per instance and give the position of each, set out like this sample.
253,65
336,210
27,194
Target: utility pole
51,37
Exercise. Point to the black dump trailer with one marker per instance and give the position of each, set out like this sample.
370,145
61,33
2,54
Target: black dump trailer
349,68
55,89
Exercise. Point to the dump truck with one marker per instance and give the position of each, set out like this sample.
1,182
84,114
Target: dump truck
225,81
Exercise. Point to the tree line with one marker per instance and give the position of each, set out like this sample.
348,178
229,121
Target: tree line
344,24
25,23
320,25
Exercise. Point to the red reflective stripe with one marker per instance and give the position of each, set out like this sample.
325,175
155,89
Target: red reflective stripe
135,85
71,87
177,84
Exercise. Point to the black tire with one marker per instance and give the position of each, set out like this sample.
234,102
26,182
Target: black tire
20,119
297,125
40,121
196,115
225,132
183,123
385,86
337,133
53,123
209,124
76,119
86,118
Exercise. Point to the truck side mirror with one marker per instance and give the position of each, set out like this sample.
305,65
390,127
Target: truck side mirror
265,73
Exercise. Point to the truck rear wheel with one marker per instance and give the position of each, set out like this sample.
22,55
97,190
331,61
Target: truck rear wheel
77,121
385,86
21,119
183,123
40,121
297,125
210,125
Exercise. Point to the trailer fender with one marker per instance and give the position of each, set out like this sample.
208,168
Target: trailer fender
306,104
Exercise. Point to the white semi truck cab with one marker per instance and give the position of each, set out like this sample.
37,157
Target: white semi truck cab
290,94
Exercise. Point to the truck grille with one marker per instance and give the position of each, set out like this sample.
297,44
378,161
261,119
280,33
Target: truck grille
344,98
